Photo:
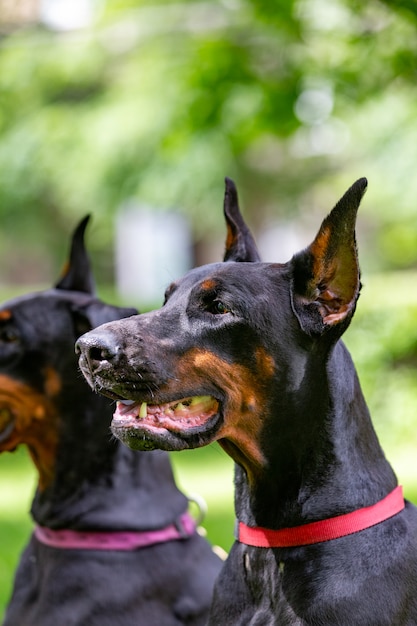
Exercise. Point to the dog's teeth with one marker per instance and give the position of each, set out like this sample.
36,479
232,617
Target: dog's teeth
127,402
198,399
143,411
179,407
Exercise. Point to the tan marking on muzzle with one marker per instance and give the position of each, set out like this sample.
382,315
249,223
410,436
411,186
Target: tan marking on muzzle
245,400
35,424
53,383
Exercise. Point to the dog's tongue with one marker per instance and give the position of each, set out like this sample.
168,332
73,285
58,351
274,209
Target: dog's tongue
179,409
127,408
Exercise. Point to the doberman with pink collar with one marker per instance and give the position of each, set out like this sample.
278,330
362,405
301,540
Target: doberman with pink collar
249,354
113,543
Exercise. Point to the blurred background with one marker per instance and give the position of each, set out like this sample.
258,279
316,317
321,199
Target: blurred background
135,111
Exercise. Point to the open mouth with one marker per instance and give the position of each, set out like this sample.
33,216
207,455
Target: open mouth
146,426
7,424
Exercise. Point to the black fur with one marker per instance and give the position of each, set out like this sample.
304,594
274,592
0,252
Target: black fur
92,482
263,340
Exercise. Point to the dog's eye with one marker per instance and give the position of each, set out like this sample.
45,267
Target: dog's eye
7,335
218,308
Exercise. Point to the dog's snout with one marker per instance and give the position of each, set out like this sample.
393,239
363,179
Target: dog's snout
96,348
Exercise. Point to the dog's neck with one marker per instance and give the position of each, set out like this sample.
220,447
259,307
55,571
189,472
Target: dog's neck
100,484
322,456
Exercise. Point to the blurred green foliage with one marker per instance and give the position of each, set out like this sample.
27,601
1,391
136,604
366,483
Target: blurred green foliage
160,100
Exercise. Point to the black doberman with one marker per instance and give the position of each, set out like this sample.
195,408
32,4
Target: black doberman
97,501
249,354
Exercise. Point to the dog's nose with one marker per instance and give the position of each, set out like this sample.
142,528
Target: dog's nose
95,348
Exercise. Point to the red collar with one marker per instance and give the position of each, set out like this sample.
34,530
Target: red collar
115,540
325,530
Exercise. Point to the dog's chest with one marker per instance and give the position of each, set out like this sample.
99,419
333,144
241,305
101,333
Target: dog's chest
264,579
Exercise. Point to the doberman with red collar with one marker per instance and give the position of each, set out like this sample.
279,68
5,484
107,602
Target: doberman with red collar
113,544
249,354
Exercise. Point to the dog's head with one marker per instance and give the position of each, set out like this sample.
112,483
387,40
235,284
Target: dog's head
232,342
39,376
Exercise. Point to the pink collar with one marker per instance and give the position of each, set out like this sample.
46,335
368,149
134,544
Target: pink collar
115,540
325,530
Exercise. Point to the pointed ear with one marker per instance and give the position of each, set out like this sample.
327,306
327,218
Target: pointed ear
77,275
240,245
326,275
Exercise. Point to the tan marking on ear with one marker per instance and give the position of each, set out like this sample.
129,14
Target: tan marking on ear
334,318
65,269
335,281
319,249
5,315
230,237
35,424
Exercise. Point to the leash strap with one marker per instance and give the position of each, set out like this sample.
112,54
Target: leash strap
117,540
325,530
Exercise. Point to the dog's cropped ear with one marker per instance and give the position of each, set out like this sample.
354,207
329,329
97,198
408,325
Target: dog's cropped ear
77,275
240,245
87,317
326,275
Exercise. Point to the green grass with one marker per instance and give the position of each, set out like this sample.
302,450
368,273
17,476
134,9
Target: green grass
208,472
17,480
